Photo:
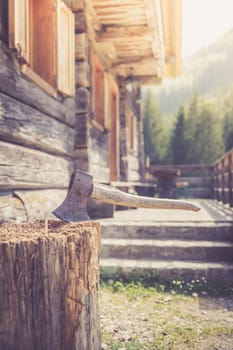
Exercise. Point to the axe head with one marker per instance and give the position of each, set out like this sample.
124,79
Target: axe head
74,207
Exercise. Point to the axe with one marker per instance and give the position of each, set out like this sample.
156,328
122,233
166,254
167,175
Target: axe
82,187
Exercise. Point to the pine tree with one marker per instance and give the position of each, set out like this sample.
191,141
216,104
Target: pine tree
155,136
178,144
228,129
209,139
190,132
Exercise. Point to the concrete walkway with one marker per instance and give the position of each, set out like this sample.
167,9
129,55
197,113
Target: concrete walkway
211,212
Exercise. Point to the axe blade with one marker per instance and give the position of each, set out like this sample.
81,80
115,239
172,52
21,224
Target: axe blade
74,206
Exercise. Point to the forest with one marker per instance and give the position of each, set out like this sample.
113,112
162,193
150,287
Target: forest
189,120
198,133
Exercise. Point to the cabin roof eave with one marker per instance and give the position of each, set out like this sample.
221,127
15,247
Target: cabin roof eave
130,36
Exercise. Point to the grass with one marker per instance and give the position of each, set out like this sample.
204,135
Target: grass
150,279
138,317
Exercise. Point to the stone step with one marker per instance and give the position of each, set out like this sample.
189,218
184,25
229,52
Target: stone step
167,249
166,270
172,230
168,245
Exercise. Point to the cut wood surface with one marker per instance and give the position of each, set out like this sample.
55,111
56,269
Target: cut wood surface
48,286
27,168
23,124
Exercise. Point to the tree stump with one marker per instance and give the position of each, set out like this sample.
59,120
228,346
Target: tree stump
49,276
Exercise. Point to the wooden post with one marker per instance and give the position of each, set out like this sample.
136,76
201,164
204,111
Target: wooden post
48,286
231,179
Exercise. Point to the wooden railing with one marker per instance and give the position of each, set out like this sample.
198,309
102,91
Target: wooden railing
223,178
169,179
204,181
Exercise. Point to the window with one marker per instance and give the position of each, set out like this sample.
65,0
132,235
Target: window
132,131
42,32
110,100
112,122
98,90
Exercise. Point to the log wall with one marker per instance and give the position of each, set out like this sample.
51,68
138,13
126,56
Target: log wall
132,163
94,141
48,286
37,136
44,137
99,155
82,94
124,171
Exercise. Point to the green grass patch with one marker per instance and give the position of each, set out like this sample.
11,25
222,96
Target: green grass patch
217,330
151,280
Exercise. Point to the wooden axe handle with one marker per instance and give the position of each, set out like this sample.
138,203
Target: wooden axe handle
112,195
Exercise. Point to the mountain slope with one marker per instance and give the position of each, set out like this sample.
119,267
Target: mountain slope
209,71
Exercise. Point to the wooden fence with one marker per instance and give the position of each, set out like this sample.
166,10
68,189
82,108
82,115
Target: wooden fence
204,181
223,178
189,180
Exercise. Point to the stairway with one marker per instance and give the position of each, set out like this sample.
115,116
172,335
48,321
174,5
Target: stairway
168,251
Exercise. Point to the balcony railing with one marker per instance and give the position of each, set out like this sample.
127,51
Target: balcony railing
223,178
214,181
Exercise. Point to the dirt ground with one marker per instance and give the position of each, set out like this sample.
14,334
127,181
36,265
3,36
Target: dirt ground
165,321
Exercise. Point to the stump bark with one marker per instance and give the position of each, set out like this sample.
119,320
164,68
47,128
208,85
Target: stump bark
49,279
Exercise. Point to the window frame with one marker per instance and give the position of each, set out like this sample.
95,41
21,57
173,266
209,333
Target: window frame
20,40
132,131
98,89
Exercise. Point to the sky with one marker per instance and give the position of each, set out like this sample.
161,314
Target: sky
204,21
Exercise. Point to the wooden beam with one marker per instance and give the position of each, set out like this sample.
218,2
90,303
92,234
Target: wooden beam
22,124
124,20
128,40
116,3
24,168
111,32
141,64
138,61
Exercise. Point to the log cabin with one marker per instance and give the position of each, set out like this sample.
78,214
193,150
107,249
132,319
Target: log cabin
70,93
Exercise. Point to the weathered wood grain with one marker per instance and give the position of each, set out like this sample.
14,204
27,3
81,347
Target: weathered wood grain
48,286
81,47
80,23
21,206
82,74
82,132
40,204
12,208
23,124
22,168
76,5
14,84
82,98
99,155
